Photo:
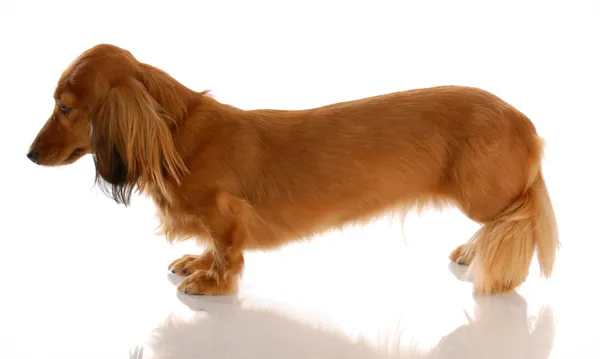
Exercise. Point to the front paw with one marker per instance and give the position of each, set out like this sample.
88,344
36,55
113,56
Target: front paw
189,264
199,283
203,283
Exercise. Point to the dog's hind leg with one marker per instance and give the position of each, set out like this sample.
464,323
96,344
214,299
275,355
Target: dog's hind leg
505,245
504,190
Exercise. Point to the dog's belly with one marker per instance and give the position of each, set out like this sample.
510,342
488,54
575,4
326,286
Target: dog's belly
296,221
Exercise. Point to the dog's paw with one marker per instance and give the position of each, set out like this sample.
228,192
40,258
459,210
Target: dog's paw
463,255
202,283
189,264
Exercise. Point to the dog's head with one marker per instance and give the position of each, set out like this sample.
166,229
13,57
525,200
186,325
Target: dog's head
104,105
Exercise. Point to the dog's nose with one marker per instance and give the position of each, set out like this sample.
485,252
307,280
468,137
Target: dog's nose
33,155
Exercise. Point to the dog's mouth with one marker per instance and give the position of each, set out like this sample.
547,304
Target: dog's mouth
78,152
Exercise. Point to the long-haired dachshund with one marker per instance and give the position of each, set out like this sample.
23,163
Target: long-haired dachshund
257,179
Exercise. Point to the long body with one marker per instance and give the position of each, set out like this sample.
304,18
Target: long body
304,171
257,179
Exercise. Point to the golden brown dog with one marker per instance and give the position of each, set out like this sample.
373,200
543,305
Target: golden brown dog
257,179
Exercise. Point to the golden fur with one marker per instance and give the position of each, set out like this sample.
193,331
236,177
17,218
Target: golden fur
258,179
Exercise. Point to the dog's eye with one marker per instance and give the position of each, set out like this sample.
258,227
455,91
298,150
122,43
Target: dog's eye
65,109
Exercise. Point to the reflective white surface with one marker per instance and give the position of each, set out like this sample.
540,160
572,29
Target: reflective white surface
363,294
81,277
96,286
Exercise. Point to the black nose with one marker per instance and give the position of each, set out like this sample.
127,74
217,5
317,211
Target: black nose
33,155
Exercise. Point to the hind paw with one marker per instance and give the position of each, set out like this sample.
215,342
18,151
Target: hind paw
463,254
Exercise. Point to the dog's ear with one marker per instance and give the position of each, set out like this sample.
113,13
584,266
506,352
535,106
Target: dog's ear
132,143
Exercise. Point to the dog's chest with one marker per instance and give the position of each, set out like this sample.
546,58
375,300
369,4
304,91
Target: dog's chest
178,224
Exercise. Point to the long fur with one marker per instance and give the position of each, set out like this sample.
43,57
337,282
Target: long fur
257,179
132,143
511,238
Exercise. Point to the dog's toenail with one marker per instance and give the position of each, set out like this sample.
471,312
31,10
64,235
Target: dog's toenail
186,290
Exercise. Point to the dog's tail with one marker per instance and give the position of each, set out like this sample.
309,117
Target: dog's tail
505,246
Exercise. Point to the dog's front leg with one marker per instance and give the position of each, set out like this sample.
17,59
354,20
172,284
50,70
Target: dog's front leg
217,271
222,277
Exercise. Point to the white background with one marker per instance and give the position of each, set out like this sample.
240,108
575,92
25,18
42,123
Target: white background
81,277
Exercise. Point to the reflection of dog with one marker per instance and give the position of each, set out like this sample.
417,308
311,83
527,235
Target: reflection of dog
499,328
221,327
258,179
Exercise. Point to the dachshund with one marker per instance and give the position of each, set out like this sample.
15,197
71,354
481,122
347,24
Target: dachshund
238,180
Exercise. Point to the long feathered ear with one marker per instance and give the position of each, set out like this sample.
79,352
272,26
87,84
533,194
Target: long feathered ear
132,143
